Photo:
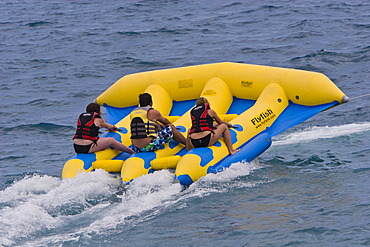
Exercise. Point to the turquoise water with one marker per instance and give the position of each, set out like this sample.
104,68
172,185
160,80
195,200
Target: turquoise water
310,188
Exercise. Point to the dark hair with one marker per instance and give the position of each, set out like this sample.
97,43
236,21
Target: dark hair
93,107
145,99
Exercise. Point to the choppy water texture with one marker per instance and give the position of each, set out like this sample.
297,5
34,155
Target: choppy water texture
311,188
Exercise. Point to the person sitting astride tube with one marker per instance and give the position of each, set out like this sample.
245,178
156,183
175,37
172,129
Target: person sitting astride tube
147,135
202,133
86,139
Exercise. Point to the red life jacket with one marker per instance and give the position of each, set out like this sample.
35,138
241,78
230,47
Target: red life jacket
200,119
86,129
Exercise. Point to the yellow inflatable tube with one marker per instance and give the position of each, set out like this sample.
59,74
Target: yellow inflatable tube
260,101
244,80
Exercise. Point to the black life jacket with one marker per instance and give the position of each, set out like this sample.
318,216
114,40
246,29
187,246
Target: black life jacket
200,119
141,126
86,129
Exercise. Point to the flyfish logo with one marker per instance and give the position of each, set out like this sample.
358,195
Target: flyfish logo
246,83
263,117
209,92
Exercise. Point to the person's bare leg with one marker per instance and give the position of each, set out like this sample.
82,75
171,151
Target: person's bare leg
189,145
106,142
223,130
177,136
227,139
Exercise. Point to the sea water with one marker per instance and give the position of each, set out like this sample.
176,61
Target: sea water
311,188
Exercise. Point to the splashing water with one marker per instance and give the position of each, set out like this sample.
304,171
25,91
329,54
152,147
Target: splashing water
314,133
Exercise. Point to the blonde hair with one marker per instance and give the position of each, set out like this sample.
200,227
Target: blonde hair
201,100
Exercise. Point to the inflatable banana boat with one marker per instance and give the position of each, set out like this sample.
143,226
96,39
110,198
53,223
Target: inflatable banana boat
259,101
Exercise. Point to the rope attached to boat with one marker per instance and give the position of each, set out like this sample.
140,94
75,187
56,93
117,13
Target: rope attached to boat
358,97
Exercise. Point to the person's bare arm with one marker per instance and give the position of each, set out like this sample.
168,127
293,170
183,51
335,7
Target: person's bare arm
213,114
102,124
156,116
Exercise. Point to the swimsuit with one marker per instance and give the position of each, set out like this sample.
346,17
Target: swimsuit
82,149
164,135
201,142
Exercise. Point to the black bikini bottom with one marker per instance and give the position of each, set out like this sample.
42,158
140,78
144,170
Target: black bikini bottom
201,142
82,149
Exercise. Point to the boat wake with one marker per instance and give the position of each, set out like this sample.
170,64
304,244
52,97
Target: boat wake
39,210
315,133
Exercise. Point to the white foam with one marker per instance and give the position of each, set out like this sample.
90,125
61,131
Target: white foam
235,170
24,219
157,192
35,202
27,188
314,133
143,194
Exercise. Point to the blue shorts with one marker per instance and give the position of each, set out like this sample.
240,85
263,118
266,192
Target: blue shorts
164,135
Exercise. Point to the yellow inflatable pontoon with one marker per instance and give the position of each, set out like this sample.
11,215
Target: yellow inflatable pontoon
259,101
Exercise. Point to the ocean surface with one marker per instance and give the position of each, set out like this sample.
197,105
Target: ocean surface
311,188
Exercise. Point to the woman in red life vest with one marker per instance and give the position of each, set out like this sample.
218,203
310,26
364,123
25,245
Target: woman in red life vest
202,133
86,139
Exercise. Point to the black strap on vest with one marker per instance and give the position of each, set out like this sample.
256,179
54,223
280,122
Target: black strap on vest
141,126
201,121
86,129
